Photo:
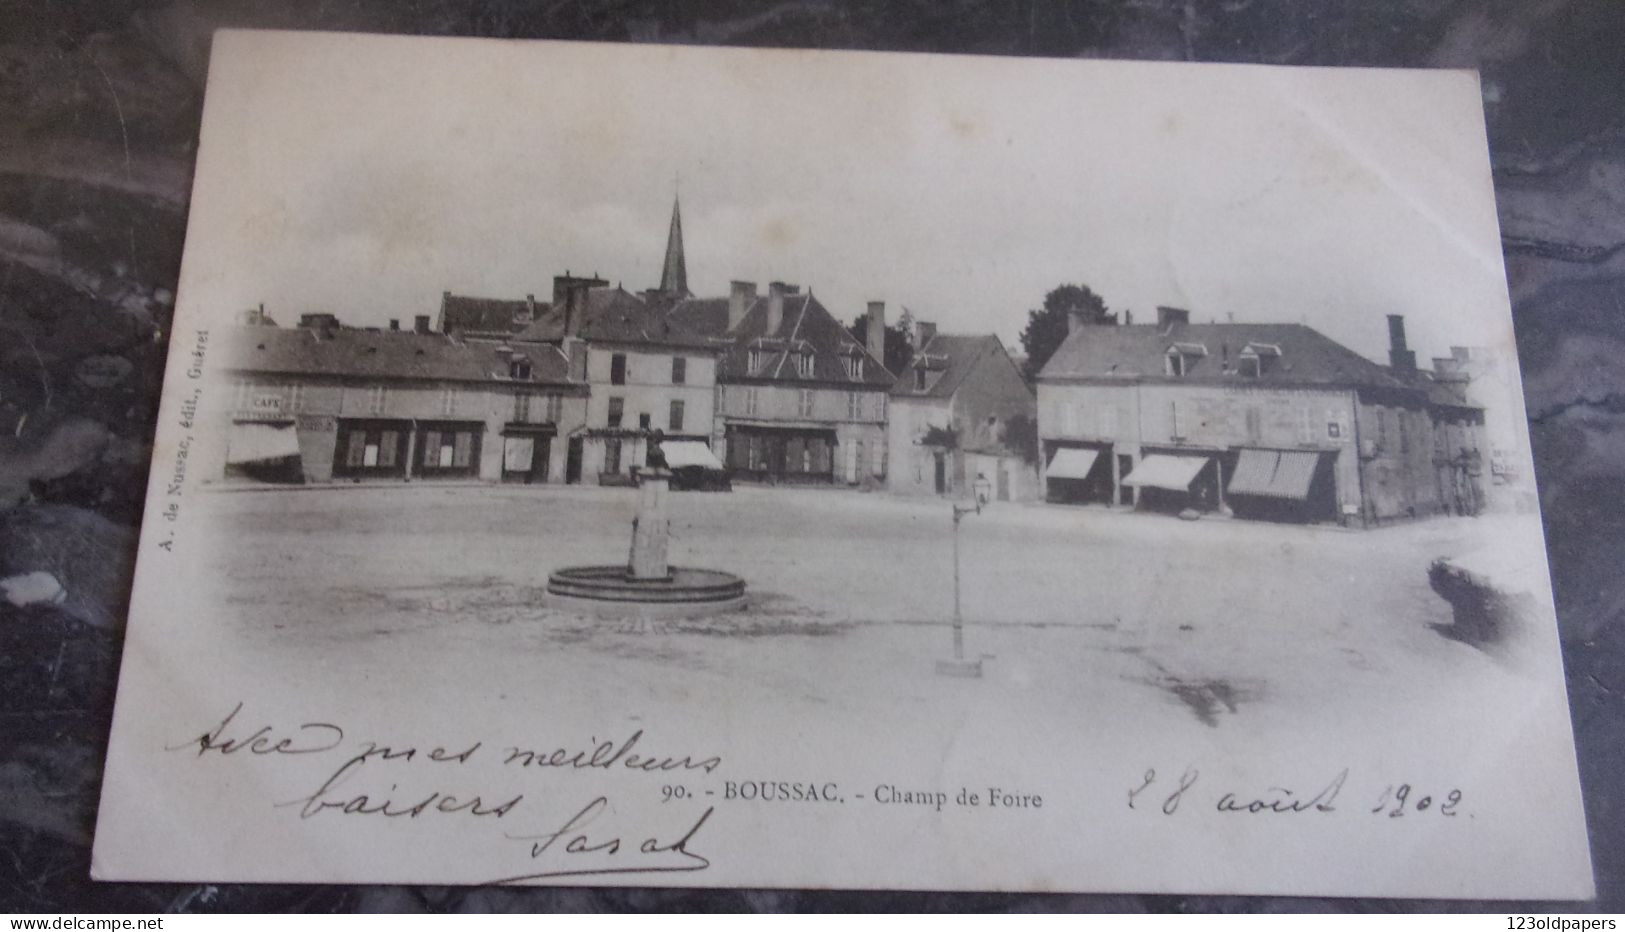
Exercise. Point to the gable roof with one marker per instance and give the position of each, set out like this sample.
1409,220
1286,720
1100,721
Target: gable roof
1138,351
486,315
384,354
806,325
612,314
955,356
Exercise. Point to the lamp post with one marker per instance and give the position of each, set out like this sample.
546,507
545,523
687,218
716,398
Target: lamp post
959,666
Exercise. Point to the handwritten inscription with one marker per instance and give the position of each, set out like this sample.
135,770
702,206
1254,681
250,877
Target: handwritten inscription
1167,796
367,782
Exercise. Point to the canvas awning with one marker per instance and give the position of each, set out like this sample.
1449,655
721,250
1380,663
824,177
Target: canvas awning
1071,463
1274,473
681,453
525,428
253,443
1164,471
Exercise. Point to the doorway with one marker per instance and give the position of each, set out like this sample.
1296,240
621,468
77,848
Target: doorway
572,461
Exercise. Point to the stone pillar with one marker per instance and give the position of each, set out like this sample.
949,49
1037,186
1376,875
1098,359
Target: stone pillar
651,528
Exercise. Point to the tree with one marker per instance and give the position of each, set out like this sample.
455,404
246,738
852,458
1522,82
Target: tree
1047,327
899,343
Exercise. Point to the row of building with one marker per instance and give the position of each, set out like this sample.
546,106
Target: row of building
1262,419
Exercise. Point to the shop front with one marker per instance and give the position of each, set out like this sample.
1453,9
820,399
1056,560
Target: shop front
782,454
1078,473
1176,481
526,452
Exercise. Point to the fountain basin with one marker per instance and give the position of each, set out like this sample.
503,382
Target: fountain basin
683,592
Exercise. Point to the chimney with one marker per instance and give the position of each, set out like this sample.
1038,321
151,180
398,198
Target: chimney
1074,320
775,307
741,295
578,360
875,331
924,332
1170,317
420,323
530,308
1128,318
394,323
1400,358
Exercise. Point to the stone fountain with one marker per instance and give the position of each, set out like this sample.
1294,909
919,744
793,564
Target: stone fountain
647,585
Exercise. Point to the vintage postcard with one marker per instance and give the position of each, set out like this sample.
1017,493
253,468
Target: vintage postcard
678,466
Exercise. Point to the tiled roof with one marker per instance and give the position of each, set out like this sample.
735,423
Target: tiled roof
806,323
615,315
383,354
1139,351
486,315
954,356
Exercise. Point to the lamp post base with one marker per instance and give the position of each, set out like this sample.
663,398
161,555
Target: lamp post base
964,669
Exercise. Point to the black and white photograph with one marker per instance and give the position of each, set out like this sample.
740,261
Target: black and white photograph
668,466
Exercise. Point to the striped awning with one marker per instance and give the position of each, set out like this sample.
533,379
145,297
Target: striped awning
1071,463
253,443
1165,471
1274,473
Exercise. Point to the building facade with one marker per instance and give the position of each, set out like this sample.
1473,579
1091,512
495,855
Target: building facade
321,402
799,400
1263,420
952,414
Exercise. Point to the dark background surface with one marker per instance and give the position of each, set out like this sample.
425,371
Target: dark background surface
99,109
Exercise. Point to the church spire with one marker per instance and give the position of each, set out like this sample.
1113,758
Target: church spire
674,274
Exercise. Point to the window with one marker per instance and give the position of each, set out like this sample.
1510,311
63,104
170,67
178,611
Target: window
519,368
804,364
1255,425
521,407
750,401
448,402
1069,420
1176,421
296,397
388,444
243,389
675,422
617,369
1175,363
612,454
617,407
644,421
1306,426
1249,365
854,367
679,370
555,408
854,406
1404,435
375,399
806,403
919,379
757,361
1108,422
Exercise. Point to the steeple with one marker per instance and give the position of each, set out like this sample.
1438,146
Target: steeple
674,274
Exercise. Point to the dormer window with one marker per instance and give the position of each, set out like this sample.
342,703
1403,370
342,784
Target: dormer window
1256,359
519,368
1177,361
854,367
919,378
804,364
758,360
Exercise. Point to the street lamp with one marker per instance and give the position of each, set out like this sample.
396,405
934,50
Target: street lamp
959,666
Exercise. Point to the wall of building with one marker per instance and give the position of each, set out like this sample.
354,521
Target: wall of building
649,389
912,470
865,405
1206,417
317,403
